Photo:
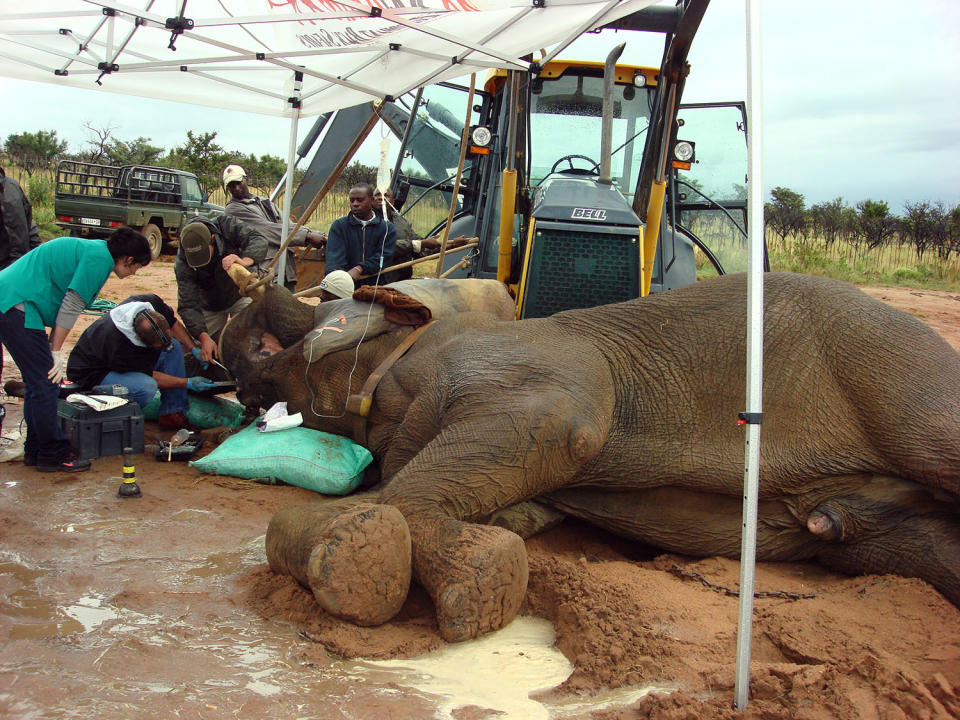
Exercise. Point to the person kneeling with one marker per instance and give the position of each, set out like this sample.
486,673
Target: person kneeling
139,344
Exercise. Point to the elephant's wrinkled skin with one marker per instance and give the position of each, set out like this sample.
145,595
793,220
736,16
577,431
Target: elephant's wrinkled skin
626,415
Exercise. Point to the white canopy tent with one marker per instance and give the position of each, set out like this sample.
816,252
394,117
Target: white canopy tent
206,52
293,57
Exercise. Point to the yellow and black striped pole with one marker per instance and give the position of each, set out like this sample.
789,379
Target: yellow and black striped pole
129,487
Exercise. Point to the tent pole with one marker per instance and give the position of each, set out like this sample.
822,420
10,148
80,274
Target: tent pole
288,186
753,416
464,139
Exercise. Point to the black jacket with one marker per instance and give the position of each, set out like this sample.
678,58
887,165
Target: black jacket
102,348
209,287
349,244
18,232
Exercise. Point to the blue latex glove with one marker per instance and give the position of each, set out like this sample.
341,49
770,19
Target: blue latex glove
199,356
200,384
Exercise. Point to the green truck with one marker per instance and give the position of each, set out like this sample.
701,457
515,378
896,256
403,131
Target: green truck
92,200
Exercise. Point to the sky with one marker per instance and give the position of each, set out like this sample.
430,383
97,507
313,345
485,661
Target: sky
860,98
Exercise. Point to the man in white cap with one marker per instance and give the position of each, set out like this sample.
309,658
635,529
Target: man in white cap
337,285
265,216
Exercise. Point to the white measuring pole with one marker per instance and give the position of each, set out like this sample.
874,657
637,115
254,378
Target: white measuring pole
748,544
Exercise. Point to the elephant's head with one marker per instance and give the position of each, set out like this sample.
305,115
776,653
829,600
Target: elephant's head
254,342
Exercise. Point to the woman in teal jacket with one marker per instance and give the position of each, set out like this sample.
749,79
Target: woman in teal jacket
49,287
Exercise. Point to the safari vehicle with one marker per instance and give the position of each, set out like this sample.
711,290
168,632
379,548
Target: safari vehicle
586,182
92,200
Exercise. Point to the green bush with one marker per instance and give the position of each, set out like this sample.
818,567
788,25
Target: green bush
40,191
905,274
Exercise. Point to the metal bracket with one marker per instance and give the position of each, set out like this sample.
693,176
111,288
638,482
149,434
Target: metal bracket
177,25
105,68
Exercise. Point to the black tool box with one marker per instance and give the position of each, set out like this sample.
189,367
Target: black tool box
98,433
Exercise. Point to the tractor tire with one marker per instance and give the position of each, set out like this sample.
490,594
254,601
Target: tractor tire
155,238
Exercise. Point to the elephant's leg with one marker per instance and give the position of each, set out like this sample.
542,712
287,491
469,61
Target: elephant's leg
352,554
526,519
892,526
477,575
689,522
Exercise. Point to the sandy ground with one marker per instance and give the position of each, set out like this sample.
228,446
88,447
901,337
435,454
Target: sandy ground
163,606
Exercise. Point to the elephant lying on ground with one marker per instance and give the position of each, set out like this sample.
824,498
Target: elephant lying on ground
624,415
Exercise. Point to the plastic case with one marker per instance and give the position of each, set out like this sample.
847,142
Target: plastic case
94,433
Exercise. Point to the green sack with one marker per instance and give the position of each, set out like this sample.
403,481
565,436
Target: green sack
204,412
300,456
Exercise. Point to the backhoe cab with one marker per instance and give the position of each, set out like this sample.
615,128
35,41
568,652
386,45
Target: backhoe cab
586,182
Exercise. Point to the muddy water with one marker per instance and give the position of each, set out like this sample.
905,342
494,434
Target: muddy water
119,608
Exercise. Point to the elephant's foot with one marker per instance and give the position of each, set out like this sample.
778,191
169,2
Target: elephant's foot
359,570
476,575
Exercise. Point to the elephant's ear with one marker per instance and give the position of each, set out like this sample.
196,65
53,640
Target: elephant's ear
342,324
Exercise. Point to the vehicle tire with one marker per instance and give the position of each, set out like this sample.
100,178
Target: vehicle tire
154,237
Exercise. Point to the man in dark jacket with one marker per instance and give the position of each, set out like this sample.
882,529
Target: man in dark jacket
206,296
410,246
361,243
139,344
18,232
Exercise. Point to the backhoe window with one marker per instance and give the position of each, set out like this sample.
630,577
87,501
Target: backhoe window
712,194
565,120
432,155
719,131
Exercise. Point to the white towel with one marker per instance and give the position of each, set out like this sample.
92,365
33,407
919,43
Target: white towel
97,402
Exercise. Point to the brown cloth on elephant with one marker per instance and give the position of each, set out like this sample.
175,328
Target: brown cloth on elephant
398,307
339,324
345,323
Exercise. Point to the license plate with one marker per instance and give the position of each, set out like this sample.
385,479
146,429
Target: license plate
89,221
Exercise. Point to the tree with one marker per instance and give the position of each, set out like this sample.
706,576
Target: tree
918,226
263,172
134,152
947,231
827,219
98,139
201,156
33,151
786,214
104,147
877,225
355,173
